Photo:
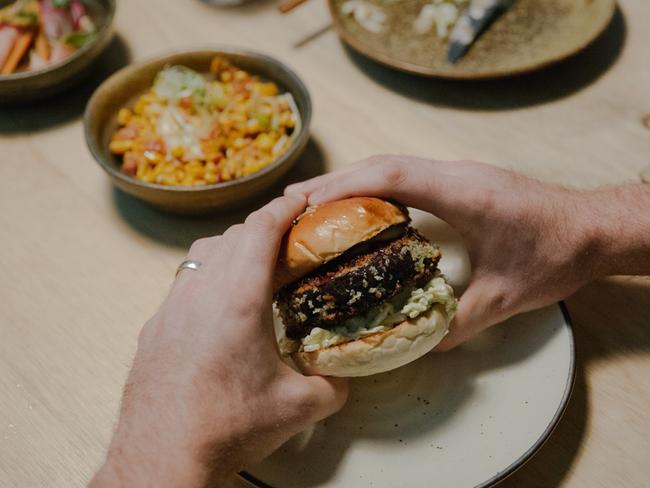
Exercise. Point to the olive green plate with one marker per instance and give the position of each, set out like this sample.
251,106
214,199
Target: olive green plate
532,34
121,89
29,85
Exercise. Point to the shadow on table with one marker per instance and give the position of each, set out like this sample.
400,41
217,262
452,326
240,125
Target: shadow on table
69,104
596,339
553,83
181,231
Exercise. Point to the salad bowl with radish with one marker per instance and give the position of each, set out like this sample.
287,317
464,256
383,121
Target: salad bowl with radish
46,44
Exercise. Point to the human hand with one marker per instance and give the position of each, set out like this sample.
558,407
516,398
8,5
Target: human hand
208,393
530,244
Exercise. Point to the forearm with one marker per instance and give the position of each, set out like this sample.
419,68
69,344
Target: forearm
619,219
130,466
155,445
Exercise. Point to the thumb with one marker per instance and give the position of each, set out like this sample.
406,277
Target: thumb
312,398
330,393
480,307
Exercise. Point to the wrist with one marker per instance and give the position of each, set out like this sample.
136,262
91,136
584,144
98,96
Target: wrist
616,225
142,454
127,466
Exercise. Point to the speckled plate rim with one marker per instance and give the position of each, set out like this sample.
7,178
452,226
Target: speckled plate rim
526,456
102,36
417,69
299,141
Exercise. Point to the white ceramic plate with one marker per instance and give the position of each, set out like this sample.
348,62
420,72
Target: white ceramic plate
467,418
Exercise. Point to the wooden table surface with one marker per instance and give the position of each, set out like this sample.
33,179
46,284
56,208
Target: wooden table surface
83,266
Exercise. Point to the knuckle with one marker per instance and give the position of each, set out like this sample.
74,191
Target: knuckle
304,400
500,303
200,245
233,231
394,173
375,160
263,220
246,310
487,200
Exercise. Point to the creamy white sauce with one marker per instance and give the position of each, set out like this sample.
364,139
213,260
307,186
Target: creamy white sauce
408,305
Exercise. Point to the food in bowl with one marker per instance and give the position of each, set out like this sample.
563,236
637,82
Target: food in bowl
35,34
194,129
359,289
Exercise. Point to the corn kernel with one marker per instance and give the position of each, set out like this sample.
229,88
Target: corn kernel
268,89
264,142
120,147
123,116
177,152
216,64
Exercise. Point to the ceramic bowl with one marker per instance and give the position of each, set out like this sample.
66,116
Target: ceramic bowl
126,85
30,85
530,35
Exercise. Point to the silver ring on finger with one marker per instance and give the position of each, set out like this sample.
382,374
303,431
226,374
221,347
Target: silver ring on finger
188,264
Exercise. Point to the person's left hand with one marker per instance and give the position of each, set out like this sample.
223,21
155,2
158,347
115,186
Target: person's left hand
208,393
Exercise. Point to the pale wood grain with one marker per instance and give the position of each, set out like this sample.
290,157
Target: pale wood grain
83,267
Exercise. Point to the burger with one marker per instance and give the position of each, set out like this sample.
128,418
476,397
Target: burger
359,291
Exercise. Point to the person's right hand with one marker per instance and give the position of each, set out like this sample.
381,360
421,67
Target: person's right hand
530,244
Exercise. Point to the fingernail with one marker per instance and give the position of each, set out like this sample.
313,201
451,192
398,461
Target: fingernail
297,197
292,189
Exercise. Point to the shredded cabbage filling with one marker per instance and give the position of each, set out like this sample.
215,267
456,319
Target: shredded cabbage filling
407,305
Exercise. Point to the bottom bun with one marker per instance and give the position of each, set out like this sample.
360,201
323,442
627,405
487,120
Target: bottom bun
378,352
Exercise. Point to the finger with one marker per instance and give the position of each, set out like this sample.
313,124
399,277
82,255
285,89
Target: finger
203,248
313,398
332,393
309,186
377,176
480,307
254,247
201,251
411,181
265,227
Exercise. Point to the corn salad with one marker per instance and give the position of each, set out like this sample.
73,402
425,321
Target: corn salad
190,129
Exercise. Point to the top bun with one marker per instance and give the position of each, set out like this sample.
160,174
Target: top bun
324,232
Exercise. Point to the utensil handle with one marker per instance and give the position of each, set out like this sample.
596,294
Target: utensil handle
288,5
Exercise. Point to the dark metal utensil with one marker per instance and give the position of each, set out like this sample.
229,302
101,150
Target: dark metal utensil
472,23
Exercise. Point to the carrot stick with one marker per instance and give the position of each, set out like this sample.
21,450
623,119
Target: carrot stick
42,46
20,48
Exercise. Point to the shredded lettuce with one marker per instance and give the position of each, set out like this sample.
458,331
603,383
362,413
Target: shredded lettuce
79,39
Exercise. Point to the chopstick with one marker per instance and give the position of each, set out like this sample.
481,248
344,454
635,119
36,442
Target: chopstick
288,5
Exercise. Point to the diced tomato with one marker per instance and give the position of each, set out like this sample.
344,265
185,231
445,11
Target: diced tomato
130,163
185,103
126,133
155,145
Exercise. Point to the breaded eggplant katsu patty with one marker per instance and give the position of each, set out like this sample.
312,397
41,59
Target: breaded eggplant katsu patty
364,292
